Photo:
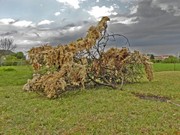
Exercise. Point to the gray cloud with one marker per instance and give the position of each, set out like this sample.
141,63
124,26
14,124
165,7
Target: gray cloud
156,30
9,33
27,37
146,9
171,6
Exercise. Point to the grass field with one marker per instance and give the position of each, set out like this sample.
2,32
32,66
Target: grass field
94,111
166,67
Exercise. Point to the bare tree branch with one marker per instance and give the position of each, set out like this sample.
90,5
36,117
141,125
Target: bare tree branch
7,44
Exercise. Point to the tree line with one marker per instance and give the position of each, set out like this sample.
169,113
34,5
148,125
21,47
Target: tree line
7,55
170,59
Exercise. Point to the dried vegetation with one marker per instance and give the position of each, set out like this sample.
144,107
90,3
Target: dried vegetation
85,62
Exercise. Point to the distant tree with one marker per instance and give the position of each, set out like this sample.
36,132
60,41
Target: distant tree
7,44
6,47
171,59
10,60
152,57
19,55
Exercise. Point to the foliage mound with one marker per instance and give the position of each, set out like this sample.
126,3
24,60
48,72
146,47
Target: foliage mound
85,62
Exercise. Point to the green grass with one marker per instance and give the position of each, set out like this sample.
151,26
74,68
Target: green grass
166,67
93,111
14,75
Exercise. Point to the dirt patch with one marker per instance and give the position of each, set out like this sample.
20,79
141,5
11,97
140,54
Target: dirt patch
151,97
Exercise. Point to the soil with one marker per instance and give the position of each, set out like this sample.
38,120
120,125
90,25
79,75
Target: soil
151,97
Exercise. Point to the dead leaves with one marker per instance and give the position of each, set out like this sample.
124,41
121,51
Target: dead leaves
110,68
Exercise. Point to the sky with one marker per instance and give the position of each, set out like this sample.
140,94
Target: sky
152,26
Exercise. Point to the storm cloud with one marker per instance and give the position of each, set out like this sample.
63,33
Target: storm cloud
156,30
